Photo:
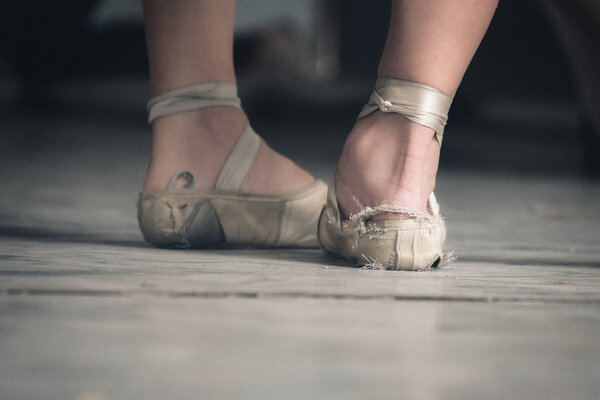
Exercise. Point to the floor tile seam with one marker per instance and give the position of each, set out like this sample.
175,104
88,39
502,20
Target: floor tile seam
67,293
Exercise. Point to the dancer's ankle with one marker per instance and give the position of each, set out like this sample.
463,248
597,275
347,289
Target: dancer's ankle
197,140
387,159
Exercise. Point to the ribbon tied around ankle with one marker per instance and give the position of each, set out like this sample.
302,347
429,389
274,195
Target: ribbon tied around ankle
194,97
419,103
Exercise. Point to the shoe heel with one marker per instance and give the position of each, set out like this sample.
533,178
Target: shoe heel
177,223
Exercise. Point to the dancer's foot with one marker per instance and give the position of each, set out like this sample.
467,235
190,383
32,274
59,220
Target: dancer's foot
200,140
387,159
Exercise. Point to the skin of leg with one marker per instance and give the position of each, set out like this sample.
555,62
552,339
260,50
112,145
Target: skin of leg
189,42
386,157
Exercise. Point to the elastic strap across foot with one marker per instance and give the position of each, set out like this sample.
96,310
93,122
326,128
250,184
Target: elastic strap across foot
238,162
419,103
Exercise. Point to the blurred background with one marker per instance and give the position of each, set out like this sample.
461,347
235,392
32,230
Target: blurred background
74,79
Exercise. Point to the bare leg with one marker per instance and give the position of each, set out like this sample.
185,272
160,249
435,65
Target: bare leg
386,157
191,41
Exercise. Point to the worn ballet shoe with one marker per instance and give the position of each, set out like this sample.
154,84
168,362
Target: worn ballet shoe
414,242
408,244
184,217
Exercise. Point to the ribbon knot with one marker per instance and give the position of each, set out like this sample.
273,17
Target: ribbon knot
386,106
419,103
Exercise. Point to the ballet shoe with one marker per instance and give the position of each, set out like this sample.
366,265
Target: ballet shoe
415,240
224,216
413,243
